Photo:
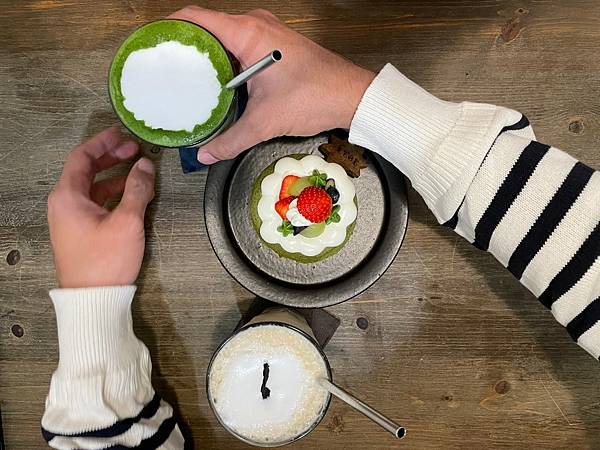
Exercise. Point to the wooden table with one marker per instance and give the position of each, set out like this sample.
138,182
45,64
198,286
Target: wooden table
455,348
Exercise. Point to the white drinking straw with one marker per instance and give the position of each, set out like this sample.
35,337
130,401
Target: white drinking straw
362,407
255,68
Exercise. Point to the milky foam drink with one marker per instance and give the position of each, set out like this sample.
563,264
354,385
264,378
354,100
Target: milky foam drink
275,408
165,83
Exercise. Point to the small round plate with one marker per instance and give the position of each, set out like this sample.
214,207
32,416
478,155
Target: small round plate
377,237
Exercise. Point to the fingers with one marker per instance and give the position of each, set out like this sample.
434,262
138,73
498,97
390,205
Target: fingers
139,189
79,169
122,152
98,153
222,25
104,190
245,133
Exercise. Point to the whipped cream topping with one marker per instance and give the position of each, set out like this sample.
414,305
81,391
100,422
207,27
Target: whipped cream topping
294,216
334,234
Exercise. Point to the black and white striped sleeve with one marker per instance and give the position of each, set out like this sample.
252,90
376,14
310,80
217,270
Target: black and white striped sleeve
537,210
101,396
482,173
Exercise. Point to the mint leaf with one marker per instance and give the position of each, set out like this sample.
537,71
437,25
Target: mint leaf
285,228
318,179
334,215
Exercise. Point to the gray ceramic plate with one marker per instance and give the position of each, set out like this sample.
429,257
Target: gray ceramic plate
380,227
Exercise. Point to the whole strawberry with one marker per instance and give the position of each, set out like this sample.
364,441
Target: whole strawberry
314,204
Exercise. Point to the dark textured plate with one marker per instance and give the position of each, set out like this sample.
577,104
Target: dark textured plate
380,227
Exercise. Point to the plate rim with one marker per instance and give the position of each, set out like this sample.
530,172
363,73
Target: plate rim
289,294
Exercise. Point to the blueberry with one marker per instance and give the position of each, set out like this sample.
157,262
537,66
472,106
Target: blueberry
334,194
298,230
330,182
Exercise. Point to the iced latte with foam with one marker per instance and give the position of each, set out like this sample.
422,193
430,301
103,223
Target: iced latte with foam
262,383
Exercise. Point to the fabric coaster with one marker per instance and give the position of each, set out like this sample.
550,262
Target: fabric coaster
323,324
189,160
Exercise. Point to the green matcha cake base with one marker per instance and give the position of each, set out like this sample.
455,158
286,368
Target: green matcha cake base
150,35
257,222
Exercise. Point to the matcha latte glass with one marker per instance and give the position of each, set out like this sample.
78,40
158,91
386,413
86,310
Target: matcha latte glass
153,84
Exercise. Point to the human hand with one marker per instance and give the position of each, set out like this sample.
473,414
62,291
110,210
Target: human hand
92,245
310,90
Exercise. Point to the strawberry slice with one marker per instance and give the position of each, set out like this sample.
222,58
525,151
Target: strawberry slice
285,186
282,206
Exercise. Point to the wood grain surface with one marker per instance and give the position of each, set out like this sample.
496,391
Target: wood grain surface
455,348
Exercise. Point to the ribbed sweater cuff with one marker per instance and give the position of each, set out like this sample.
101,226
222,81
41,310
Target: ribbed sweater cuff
438,145
104,371
94,327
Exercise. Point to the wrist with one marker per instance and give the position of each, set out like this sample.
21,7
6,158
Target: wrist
357,82
96,267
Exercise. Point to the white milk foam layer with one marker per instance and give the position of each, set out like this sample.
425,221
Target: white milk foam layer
171,86
296,400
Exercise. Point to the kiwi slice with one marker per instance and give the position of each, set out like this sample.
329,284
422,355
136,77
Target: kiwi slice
314,230
299,185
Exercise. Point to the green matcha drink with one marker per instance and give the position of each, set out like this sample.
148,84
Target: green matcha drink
166,84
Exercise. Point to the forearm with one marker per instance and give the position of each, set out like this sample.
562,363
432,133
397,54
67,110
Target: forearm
534,207
537,210
101,394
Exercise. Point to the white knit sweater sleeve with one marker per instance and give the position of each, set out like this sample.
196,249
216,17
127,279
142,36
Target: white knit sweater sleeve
481,172
101,395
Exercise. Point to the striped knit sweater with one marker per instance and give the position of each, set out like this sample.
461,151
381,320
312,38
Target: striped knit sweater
480,171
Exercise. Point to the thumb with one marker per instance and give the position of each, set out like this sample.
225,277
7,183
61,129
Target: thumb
139,188
245,133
